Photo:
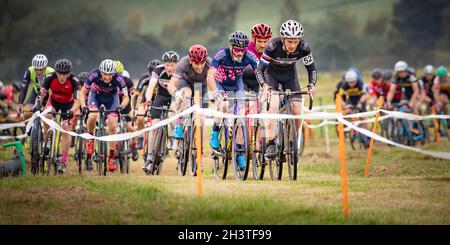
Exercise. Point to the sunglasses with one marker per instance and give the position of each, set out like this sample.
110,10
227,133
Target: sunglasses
239,50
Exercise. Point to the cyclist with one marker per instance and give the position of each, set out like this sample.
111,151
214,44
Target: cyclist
141,105
426,86
82,77
441,89
339,85
34,75
354,92
64,87
405,84
7,92
261,34
191,71
128,109
103,85
377,87
225,76
161,75
277,66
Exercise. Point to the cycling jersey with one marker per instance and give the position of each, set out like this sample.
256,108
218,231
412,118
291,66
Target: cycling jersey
7,93
163,97
105,91
30,77
229,72
184,71
250,81
281,66
337,90
163,80
352,95
404,86
427,86
378,89
61,93
251,48
444,86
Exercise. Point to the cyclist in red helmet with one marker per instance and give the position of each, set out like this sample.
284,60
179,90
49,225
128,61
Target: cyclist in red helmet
191,72
261,34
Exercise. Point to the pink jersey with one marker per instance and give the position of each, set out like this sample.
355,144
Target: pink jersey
251,48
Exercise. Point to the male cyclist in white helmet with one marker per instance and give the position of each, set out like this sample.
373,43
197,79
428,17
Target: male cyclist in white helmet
277,66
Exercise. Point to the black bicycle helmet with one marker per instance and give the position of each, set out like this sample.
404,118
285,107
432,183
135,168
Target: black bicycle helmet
63,66
152,64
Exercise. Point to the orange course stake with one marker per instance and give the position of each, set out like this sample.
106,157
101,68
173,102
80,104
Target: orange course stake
342,157
198,143
374,130
436,126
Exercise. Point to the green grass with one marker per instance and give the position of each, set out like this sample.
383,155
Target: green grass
403,188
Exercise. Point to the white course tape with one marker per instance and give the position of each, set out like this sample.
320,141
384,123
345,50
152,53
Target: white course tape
410,116
8,137
119,137
438,154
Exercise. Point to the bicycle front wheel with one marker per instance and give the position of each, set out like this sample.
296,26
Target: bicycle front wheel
291,149
240,150
259,148
221,155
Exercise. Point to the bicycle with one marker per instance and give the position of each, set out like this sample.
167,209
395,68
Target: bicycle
354,135
100,154
406,131
36,136
80,154
51,152
289,145
160,150
124,147
228,146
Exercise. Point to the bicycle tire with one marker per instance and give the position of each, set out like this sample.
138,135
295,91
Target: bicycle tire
291,152
47,158
259,149
221,156
276,164
240,125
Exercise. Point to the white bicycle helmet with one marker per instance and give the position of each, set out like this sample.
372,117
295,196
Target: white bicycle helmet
400,66
291,29
39,61
107,66
429,69
350,76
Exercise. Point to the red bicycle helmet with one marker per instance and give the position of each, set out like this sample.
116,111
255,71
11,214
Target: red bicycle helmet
261,31
198,53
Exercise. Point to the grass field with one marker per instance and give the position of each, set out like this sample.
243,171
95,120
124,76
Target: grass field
403,187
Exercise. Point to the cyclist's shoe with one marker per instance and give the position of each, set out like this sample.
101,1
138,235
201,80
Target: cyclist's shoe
241,161
270,151
62,168
89,166
148,166
140,142
178,132
134,153
90,147
112,166
214,140
170,143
